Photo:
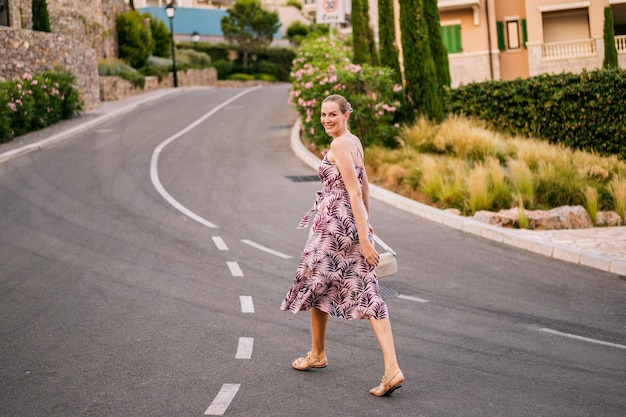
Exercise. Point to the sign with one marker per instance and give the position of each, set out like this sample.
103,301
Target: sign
330,11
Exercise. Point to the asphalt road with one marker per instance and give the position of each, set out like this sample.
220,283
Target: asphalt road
143,262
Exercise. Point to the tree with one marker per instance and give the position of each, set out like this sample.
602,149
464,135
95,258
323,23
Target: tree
133,39
161,44
389,56
41,20
250,26
437,48
362,34
610,51
421,85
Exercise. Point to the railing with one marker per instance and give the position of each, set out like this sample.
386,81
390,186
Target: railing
620,44
569,49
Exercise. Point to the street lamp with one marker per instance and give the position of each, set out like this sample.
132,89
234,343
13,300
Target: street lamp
170,11
195,38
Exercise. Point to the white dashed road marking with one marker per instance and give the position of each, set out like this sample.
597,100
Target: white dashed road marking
244,348
265,249
234,269
222,400
409,298
584,339
247,306
219,243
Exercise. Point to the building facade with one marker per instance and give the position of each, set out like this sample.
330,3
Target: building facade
508,39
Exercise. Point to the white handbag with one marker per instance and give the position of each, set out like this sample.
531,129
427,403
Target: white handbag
388,264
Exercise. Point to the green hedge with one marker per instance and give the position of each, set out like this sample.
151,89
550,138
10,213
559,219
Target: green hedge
582,111
281,58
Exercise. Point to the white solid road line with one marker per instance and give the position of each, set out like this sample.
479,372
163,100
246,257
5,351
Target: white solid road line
234,269
244,348
247,306
265,249
154,163
409,298
584,339
219,243
222,400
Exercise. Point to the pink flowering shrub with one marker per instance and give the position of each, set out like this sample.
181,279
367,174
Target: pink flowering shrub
34,102
323,67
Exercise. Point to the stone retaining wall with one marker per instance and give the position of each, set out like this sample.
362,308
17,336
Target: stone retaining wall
115,88
34,52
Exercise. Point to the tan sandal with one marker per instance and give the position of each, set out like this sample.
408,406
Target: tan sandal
388,385
308,362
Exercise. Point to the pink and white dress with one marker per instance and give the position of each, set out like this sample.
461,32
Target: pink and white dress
332,275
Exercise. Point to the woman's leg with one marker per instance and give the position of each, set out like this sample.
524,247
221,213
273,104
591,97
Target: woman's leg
316,358
393,377
384,335
319,319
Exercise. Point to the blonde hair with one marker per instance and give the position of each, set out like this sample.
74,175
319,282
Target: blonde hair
344,105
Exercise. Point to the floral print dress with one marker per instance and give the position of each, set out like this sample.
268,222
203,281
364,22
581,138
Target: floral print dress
332,275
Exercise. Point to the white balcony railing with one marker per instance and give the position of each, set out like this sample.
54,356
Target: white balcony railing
569,49
620,44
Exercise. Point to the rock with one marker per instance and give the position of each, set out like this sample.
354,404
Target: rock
608,218
502,218
453,211
564,217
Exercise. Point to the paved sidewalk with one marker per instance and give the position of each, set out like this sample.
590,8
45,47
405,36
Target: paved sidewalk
600,248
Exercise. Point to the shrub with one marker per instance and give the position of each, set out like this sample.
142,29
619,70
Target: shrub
36,102
241,77
161,44
321,68
193,58
41,19
115,67
581,111
133,39
112,66
526,173
224,68
265,67
297,31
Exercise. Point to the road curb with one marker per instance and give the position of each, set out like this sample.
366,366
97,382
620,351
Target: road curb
133,103
521,239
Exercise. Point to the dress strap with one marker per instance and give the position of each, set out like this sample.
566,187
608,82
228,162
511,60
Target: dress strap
358,149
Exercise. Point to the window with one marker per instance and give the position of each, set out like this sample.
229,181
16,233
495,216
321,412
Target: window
451,37
512,34
509,34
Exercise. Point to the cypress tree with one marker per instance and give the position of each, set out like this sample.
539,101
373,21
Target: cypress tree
610,51
421,86
387,38
360,25
371,42
41,20
437,48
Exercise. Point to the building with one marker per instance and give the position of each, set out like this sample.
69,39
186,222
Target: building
508,39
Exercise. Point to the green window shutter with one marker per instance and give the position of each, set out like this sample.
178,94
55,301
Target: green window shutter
524,33
501,39
451,37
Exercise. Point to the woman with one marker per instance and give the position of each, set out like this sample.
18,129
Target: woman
337,272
